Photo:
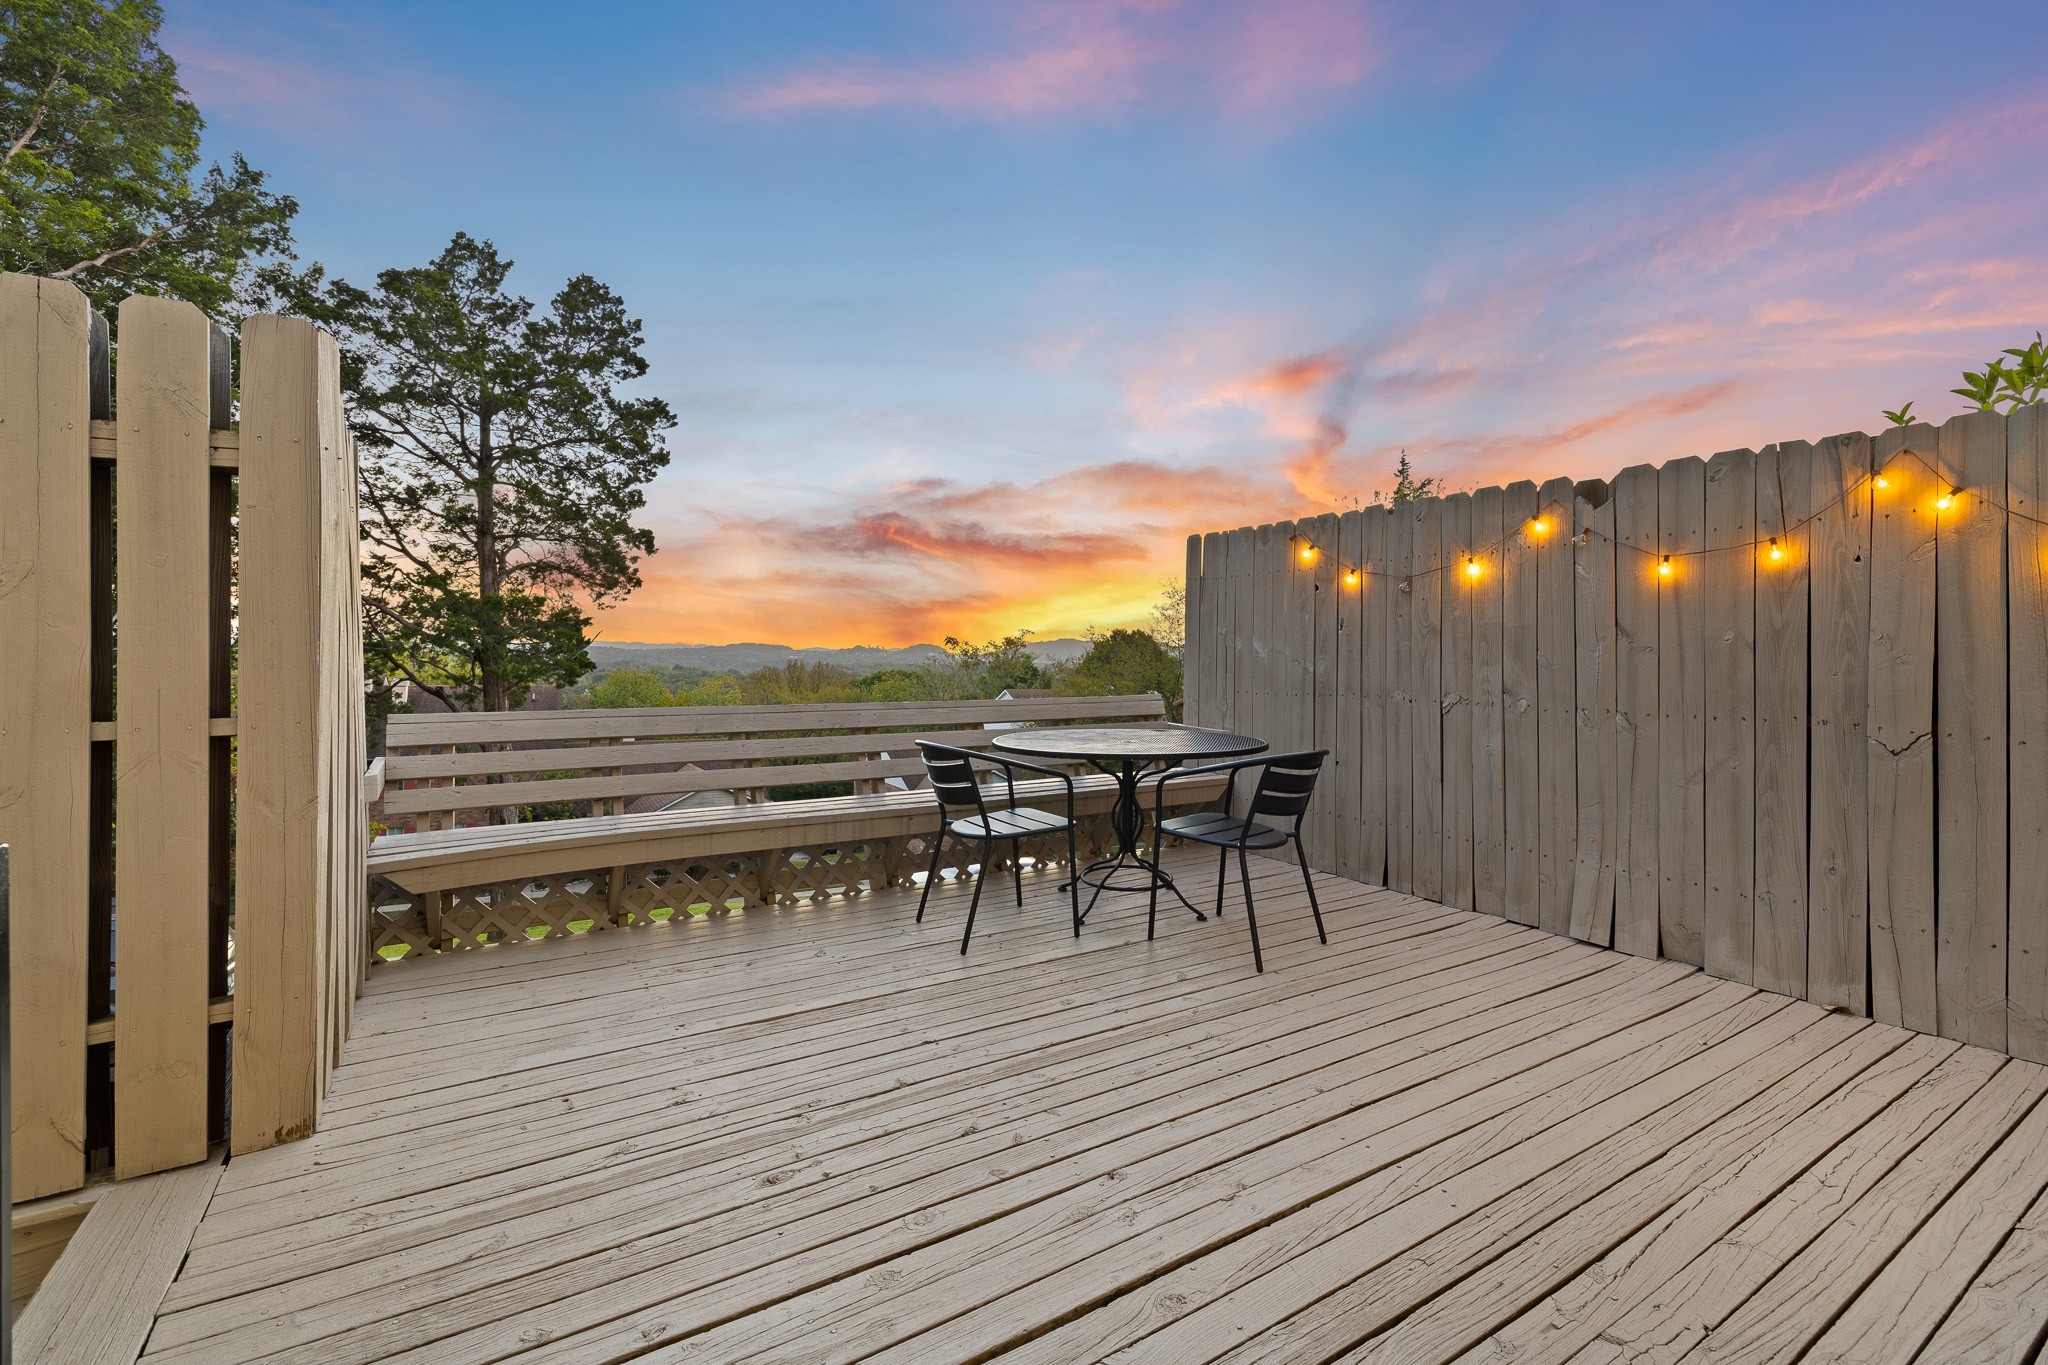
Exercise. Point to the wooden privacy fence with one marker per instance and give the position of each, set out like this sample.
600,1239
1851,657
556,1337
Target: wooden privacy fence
1782,714
180,731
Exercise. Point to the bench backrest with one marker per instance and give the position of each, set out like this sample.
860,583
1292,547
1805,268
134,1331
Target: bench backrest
443,763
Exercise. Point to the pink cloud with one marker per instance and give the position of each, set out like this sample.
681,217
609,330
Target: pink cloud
1096,56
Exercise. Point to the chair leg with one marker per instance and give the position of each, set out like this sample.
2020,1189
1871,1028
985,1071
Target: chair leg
1152,911
988,849
1074,879
1310,882
1244,872
931,873
1222,876
1017,870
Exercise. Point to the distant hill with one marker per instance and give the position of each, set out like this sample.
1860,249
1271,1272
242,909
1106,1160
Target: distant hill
745,658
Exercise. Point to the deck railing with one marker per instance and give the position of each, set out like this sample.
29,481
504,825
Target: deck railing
1782,714
180,731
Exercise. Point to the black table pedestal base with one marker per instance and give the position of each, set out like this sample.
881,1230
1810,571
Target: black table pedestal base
1101,874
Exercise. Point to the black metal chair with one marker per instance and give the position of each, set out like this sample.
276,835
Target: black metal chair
955,784
1286,781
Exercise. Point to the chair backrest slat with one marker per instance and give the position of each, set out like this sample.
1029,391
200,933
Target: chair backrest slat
1285,785
952,776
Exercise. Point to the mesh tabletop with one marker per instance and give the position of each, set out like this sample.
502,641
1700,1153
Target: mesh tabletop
1134,744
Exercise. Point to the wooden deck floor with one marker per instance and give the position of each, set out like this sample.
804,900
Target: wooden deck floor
823,1135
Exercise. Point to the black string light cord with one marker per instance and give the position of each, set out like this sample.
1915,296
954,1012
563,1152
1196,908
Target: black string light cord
1310,551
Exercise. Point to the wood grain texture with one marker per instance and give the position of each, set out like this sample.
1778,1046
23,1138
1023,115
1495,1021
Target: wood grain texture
1520,715
45,717
1192,688
1837,821
1970,729
1347,755
1557,810
1635,710
1728,573
1401,723
1599,805
1681,711
1460,595
99,1302
1376,606
2026,474
1489,771
1325,647
1426,602
1784,483
162,752
1901,748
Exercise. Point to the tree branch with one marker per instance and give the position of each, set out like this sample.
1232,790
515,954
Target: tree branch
42,109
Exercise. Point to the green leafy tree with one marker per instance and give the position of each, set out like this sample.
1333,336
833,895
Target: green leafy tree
2013,379
1124,663
100,176
1170,617
1407,488
629,687
503,463
968,671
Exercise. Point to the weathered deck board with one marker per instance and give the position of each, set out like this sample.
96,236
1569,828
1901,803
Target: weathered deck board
805,1134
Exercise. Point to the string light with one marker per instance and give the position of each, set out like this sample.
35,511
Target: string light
1539,525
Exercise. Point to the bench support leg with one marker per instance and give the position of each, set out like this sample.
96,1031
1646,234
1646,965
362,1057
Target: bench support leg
614,896
436,901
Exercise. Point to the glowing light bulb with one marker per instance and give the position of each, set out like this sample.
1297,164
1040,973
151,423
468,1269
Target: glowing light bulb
1945,501
1883,482
1538,526
1308,554
1351,578
1471,567
1776,552
1664,568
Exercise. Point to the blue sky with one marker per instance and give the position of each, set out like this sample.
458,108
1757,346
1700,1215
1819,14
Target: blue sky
972,311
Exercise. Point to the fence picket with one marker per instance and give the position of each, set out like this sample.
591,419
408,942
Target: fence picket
1426,601
45,716
1557,647
1489,773
1838,804
1459,593
2026,472
1598,817
1969,652
161,520
1728,572
1902,604
1376,596
1401,705
1681,712
1518,703
1783,485
1635,709
1347,757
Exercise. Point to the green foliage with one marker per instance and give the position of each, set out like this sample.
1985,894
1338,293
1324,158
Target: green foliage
1407,488
893,684
1124,663
624,688
1170,617
2013,379
502,468
969,671
101,181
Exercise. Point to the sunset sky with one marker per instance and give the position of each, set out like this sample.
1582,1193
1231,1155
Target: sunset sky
971,311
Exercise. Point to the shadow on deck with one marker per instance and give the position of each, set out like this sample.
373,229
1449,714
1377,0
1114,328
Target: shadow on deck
824,1135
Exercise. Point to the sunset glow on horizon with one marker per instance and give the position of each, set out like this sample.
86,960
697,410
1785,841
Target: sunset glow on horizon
970,313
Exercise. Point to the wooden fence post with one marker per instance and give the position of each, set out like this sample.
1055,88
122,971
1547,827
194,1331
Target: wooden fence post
45,714
163,508
292,640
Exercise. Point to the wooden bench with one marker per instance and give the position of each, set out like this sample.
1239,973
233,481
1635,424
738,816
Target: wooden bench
444,887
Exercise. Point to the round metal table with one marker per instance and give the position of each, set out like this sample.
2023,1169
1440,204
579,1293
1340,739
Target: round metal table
1127,753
